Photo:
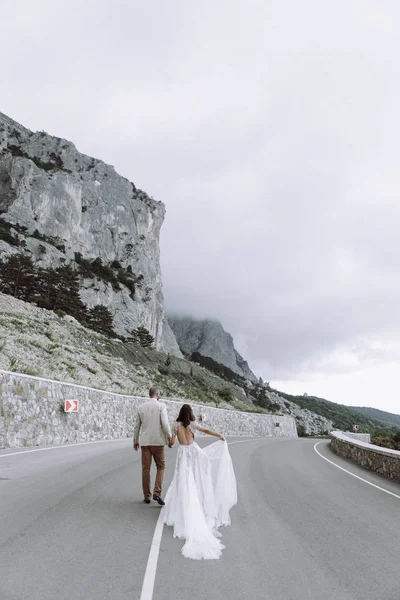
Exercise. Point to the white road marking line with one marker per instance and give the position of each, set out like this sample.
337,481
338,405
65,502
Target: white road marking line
152,561
63,446
85,443
151,568
353,475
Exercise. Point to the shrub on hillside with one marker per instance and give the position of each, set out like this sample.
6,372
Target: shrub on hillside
262,399
54,164
113,273
226,394
7,236
53,241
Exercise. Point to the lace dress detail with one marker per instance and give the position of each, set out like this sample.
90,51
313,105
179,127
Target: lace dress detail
193,427
202,492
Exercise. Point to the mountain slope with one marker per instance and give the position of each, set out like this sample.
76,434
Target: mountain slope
38,342
374,413
343,417
209,338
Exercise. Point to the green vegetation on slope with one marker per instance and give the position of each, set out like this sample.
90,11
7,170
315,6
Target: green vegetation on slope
258,394
386,418
343,417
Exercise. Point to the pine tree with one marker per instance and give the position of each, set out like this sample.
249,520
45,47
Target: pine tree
45,291
100,319
18,276
59,290
141,336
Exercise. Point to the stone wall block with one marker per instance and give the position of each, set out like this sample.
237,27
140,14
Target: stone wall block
384,461
103,415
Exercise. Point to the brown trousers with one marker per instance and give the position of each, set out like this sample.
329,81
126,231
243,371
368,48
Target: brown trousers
149,452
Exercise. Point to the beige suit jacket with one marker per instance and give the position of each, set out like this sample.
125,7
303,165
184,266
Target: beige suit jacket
152,425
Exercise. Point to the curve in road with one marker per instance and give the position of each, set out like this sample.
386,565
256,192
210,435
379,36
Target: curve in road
73,526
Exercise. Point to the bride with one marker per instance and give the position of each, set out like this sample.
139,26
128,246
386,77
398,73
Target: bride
202,491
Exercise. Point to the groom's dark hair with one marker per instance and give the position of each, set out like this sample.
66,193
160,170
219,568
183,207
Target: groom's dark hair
186,415
153,391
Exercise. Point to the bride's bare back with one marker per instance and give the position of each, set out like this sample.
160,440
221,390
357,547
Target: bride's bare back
185,435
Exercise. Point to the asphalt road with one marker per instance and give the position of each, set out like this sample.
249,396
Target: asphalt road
73,526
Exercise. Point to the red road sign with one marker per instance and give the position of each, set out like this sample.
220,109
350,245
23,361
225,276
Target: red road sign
71,405
355,427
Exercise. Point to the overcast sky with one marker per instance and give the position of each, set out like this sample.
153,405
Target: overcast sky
271,131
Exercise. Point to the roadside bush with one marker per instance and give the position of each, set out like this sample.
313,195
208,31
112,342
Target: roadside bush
301,430
387,441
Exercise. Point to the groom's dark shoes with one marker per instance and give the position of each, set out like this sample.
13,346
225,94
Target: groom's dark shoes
147,501
159,500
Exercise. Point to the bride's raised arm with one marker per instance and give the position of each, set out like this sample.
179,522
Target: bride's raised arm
208,431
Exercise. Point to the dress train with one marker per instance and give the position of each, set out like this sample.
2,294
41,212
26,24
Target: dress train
202,492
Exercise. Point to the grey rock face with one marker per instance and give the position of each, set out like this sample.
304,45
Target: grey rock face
71,203
210,339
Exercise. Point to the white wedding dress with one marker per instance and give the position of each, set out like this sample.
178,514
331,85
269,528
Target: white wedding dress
200,497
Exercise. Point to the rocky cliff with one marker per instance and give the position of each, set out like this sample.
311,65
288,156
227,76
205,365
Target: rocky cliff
62,207
209,339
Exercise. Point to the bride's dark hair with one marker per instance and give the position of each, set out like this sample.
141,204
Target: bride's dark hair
186,415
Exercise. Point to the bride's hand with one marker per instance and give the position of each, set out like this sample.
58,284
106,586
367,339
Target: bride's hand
221,437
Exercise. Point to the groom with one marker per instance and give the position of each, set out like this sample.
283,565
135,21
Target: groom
153,425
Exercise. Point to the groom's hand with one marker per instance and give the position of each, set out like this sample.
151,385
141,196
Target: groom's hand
136,447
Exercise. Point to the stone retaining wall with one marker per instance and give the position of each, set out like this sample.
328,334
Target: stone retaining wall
361,437
32,413
381,460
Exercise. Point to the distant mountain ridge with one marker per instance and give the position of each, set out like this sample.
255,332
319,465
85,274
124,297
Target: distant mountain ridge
209,338
380,415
